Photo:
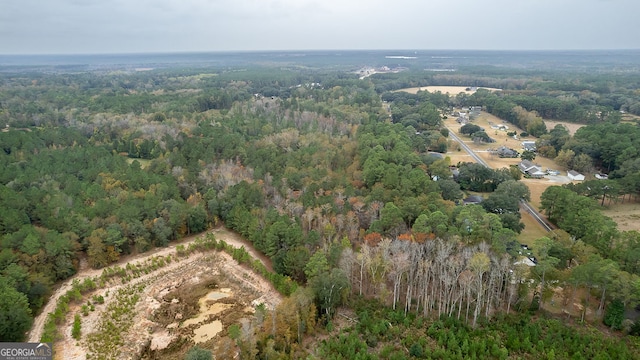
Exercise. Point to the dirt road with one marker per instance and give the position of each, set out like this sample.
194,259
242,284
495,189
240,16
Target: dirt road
220,233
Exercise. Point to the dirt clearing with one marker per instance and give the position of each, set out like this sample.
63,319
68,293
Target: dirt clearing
166,297
451,90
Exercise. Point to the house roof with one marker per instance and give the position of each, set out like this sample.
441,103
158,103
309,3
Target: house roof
526,261
505,150
530,168
473,199
526,165
574,173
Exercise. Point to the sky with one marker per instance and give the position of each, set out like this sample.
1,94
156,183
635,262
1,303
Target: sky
139,26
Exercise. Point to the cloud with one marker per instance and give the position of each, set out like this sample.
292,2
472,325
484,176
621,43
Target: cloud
81,26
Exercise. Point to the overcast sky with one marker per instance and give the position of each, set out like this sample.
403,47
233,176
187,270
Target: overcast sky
126,26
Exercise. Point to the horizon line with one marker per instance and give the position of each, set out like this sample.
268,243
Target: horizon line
191,52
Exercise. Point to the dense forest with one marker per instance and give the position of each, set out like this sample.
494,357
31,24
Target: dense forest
340,182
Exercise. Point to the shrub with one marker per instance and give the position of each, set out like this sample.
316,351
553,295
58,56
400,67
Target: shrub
196,353
614,315
76,330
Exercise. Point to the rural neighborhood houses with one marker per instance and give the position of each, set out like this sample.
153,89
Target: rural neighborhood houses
575,176
530,169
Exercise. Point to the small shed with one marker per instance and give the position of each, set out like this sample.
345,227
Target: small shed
574,175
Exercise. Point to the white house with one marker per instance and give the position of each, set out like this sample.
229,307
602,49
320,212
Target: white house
574,175
530,169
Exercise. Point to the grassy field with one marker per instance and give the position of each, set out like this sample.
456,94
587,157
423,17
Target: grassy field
572,127
626,215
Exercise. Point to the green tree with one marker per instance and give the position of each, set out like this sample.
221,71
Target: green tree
565,158
528,155
197,353
317,265
330,289
614,315
15,314
450,189
583,163
514,188
546,263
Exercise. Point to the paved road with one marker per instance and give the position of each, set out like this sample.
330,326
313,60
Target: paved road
525,205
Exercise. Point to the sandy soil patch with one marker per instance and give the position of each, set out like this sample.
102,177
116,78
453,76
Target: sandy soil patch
451,90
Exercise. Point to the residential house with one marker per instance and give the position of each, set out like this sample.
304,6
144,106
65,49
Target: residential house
505,152
530,169
574,175
529,145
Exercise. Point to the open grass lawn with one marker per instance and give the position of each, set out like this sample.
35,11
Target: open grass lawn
626,215
572,127
451,90
532,230
143,162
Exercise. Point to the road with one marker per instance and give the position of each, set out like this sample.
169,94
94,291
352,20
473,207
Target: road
525,205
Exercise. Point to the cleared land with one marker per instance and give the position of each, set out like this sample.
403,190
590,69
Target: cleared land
451,90
168,297
626,215
572,127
